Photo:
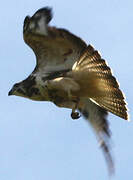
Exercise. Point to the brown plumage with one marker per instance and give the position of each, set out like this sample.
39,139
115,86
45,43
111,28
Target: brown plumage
71,75
105,84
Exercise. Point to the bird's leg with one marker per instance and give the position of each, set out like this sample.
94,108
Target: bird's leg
75,115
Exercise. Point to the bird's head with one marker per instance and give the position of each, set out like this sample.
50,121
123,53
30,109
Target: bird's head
28,89
17,90
37,24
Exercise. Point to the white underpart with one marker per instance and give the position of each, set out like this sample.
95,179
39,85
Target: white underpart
44,72
47,67
42,26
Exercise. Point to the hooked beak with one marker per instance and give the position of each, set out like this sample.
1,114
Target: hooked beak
10,92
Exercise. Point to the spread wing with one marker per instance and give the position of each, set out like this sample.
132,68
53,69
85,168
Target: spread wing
112,98
55,49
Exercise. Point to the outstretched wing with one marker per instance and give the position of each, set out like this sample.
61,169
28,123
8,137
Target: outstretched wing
105,83
55,49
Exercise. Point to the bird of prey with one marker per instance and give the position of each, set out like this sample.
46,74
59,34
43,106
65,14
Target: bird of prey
71,74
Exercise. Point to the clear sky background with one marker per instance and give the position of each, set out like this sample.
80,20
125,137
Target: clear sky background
39,141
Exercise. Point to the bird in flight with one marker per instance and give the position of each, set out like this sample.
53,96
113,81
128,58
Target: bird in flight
71,74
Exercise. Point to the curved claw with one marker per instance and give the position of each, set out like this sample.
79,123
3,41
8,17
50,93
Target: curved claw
75,115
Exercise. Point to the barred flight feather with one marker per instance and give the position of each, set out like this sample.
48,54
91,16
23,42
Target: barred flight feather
112,98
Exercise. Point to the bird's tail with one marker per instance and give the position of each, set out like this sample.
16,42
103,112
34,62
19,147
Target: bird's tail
95,77
96,116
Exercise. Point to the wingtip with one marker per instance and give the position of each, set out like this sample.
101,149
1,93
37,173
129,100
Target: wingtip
46,11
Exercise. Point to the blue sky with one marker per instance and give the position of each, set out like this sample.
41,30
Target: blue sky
39,140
